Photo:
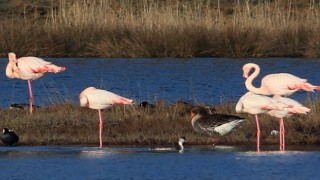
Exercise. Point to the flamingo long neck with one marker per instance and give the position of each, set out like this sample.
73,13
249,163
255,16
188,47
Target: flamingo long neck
250,87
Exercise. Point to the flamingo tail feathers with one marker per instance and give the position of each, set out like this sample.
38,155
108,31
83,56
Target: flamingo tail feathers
49,68
299,110
304,86
54,68
123,100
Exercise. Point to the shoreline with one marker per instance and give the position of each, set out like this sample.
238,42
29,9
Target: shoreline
248,147
67,124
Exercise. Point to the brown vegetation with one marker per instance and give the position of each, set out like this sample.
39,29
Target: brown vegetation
67,124
167,28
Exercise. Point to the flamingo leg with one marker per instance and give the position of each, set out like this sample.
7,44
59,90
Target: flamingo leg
282,135
100,127
258,133
30,96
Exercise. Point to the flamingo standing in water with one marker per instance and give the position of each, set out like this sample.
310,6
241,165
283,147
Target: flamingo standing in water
29,68
280,84
293,107
282,107
257,104
100,99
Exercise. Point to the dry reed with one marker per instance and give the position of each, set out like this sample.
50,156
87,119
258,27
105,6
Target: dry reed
167,28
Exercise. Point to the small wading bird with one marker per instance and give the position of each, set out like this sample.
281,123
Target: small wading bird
29,68
8,137
205,123
280,84
100,99
179,148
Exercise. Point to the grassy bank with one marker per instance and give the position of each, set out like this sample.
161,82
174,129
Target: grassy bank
167,28
67,124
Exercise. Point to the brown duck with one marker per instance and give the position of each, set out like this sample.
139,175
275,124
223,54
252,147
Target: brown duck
210,124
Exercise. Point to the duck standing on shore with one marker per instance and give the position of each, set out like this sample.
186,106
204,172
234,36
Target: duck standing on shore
9,137
205,123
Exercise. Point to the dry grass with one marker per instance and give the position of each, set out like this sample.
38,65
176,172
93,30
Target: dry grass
167,28
67,124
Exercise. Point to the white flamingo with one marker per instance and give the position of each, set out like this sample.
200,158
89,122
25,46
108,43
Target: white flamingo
100,99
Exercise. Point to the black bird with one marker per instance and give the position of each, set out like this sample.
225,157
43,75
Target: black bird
146,104
23,106
8,137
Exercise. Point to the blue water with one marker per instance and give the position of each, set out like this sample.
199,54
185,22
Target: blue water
197,80
207,80
199,162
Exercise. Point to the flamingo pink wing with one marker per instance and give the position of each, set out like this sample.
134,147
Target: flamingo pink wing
32,65
37,65
101,99
282,83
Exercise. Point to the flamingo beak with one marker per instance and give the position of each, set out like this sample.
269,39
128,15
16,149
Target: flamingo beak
245,75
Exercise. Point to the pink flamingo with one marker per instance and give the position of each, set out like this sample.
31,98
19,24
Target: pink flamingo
100,99
281,84
282,107
293,107
257,104
29,68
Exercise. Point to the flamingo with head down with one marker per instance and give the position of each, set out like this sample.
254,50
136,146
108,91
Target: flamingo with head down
256,104
293,107
282,107
277,85
100,99
29,68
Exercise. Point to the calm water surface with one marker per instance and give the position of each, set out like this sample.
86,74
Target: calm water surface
220,162
197,80
206,80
